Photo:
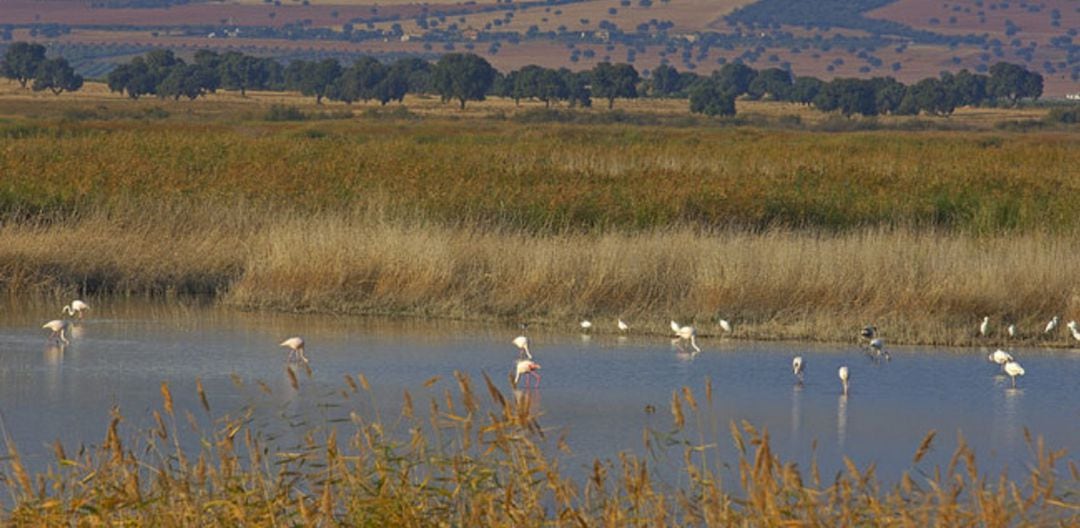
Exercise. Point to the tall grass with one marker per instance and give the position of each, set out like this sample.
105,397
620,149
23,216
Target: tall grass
479,457
552,177
923,286
793,235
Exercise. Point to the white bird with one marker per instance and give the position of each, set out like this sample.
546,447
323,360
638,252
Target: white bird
686,333
586,325
77,308
1052,325
623,326
526,367
878,346
725,325
296,349
843,373
58,327
1012,330
1013,369
1000,357
1074,330
522,343
985,326
797,367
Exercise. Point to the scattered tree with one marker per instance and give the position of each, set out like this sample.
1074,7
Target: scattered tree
56,75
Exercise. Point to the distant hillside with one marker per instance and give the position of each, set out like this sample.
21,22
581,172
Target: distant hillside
907,39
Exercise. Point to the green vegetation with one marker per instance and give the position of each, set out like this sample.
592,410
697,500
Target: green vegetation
479,457
24,62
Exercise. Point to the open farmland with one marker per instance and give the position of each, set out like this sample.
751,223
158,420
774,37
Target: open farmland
925,37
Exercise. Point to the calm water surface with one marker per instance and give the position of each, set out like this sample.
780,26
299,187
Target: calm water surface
597,389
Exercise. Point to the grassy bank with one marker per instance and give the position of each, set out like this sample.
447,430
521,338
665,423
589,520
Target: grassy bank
923,287
478,457
789,234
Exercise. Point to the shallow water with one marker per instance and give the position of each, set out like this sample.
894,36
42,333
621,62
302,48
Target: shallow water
597,389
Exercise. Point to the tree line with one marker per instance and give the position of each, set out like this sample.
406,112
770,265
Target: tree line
26,63
463,77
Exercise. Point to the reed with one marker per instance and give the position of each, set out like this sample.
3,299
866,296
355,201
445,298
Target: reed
792,235
481,457
919,286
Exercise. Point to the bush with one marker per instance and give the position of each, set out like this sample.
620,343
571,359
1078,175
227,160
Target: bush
280,112
1067,116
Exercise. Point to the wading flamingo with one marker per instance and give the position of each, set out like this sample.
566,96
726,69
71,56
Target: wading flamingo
58,327
77,308
296,349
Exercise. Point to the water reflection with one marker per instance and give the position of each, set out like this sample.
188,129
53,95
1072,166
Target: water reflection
1011,414
77,330
796,410
54,360
841,421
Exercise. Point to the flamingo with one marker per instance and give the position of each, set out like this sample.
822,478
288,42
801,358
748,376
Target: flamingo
985,326
844,375
586,325
1074,330
296,349
623,326
1000,357
526,367
58,327
77,308
1012,330
522,343
797,367
686,333
1013,369
725,325
1052,325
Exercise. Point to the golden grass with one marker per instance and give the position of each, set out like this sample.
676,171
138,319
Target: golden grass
792,234
476,459
921,287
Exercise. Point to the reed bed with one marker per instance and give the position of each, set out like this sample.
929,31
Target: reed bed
922,286
791,235
480,457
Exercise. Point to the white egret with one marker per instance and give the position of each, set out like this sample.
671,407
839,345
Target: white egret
586,325
522,343
296,348
686,333
1012,330
526,367
985,326
1052,325
844,376
797,367
58,327
1013,369
725,325
623,326
77,308
1074,330
1000,357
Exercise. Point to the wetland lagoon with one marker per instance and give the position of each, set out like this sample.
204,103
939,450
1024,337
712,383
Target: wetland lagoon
406,252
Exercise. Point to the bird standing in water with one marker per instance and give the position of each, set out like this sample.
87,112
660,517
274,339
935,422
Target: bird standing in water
844,376
296,349
526,367
686,333
58,328
797,367
522,343
77,308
